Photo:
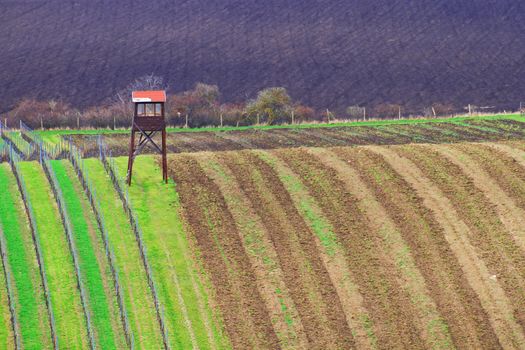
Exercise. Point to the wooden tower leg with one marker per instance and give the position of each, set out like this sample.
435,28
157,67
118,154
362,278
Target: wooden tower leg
164,157
130,159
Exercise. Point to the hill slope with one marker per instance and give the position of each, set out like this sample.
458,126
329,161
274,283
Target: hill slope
328,53
416,246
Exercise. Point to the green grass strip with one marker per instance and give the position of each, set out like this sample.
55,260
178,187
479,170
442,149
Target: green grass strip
30,303
516,117
92,272
315,220
7,339
169,254
19,142
137,295
60,272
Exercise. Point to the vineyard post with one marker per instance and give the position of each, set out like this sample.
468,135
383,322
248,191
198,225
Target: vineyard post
41,123
364,114
221,120
293,117
399,113
186,125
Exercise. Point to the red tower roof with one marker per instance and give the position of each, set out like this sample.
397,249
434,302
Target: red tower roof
149,96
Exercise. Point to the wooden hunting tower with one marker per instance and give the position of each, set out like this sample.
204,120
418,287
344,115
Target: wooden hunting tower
148,120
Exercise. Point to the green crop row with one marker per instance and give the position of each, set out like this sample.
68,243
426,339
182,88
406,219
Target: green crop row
65,297
99,295
186,307
137,295
30,303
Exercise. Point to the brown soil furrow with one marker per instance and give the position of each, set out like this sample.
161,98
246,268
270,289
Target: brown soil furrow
270,279
245,316
465,133
508,169
347,139
397,135
358,135
432,136
373,135
456,301
389,306
181,143
490,173
333,259
267,139
309,282
492,216
319,137
435,330
498,130
298,139
242,143
458,235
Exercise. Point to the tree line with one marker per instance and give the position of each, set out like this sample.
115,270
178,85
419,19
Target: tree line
199,107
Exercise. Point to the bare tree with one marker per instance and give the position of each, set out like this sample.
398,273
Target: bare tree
122,99
145,82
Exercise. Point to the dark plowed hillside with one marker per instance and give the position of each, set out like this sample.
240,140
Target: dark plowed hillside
406,247
397,134
328,53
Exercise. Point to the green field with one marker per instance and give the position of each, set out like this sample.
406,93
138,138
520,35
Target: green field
190,319
6,328
137,295
93,263
65,297
30,304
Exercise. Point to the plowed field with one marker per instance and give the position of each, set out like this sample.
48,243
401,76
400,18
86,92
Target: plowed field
408,246
373,133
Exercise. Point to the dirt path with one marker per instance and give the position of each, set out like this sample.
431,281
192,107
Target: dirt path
432,325
309,283
458,235
389,305
245,315
259,248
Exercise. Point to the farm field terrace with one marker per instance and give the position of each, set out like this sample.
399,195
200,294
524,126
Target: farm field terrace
382,236
323,135
413,246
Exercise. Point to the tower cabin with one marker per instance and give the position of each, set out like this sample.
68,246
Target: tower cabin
148,120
